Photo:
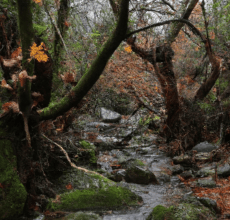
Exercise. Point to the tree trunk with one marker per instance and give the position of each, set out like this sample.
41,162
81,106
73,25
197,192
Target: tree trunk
62,25
29,161
165,73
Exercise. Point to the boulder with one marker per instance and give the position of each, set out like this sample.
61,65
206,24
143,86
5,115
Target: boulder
177,169
109,116
209,183
186,174
205,171
224,171
183,211
210,203
140,175
182,159
118,175
203,157
204,147
89,191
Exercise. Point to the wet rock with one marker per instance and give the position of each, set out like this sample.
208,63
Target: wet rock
118,175
144,150
224,171
90,191
106,143
182,159
40,217
122,160
204,147
189,198
140,176
95,126
203,157
209,183
205,171
183,211
186,174
110,116
162,177
175,181
210,203
129,163
81,216
113,197
176,169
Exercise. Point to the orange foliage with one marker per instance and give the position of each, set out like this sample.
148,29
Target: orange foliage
10,106
37,52
16,53
69,186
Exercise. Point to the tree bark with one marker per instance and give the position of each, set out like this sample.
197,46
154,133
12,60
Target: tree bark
165,73
63,13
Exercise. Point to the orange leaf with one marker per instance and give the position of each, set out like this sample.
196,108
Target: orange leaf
69,186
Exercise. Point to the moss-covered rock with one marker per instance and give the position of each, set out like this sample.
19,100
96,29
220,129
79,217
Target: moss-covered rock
161,213
82,216
183,211
89,151
112,197
128,163
12,192
80,180
140,175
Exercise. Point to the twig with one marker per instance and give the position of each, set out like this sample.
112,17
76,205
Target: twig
56,27
67,157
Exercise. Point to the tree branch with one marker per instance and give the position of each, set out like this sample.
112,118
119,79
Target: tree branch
189,24
94,72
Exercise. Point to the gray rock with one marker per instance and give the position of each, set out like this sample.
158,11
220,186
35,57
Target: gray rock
119,175
210,203
110,116
209,183
224,171
205,171
204,147
186,174
203,156
95,126
126,162
182,159
177,169
162,177
140,176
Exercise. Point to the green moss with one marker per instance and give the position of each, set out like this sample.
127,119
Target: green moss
161,213
111,197
140,163
87,145
91,149
183,211
13,192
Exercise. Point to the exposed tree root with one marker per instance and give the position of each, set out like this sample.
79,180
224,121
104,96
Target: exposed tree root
69,160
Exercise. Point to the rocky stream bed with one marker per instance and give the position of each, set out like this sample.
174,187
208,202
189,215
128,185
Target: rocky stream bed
136,180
